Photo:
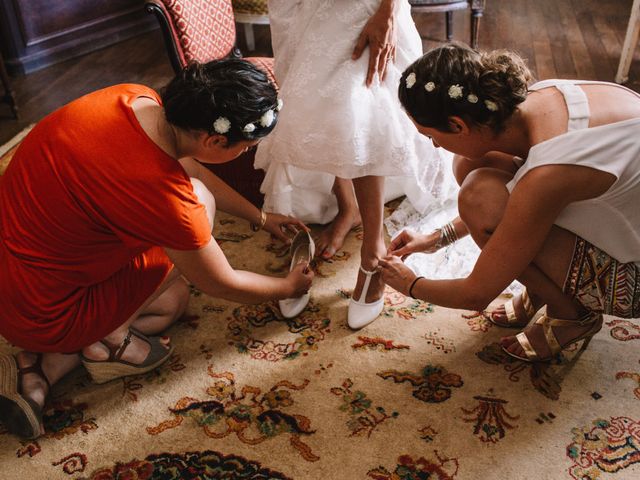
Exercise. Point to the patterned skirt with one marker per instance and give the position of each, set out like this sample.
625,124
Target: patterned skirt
603,284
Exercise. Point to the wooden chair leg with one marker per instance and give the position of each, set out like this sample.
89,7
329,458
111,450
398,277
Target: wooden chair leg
8,93
449,20
475,25
630,42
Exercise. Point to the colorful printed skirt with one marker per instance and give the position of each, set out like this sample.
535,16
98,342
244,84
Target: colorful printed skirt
603,284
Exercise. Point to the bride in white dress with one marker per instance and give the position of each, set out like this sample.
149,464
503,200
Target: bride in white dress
342,131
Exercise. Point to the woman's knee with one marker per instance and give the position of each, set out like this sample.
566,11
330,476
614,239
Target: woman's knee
482,198
206,198
462,166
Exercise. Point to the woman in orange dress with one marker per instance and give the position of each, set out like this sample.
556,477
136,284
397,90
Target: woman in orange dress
104,212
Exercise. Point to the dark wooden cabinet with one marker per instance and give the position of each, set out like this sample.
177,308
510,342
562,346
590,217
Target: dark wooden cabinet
38,33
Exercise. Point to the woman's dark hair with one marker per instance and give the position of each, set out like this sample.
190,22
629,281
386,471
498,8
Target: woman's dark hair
483,88
231,89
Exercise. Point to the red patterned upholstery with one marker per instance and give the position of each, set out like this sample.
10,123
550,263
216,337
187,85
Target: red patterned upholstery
205,29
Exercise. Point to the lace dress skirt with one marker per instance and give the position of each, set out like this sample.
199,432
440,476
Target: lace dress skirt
332,124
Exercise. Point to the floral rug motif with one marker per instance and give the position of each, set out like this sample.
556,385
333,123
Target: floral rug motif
424,392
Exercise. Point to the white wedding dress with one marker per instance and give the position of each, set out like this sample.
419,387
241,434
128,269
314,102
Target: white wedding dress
332,125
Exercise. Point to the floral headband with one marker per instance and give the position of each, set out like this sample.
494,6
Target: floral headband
222,124
455,92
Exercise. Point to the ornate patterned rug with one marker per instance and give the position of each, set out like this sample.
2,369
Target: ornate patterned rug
423,393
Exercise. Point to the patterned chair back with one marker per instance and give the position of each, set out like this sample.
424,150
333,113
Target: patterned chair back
202,30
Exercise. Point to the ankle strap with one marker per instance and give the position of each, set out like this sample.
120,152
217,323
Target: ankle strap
369,273
35,368
116,351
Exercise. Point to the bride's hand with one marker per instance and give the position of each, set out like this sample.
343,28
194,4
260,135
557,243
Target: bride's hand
277,225
380,35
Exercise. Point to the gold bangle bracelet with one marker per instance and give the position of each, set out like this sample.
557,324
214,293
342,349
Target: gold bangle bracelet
263,220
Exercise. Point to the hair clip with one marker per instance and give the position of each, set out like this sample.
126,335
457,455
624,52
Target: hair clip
491,105
455,91
471,98
410,81
430,86
267,118
249,127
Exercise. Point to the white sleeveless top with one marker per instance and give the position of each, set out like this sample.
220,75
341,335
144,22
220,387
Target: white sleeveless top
611,221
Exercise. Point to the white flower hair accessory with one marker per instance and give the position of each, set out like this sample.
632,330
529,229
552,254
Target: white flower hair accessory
279,105
410,80
455,91
430,86
471,98
491,105
249,127
267,118
221,125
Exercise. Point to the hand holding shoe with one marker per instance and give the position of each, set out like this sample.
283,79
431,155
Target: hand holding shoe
277,225
300,279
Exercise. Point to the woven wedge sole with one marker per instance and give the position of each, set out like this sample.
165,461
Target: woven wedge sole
21,416
104,371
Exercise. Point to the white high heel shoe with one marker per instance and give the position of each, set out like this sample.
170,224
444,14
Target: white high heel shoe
361,313
302,250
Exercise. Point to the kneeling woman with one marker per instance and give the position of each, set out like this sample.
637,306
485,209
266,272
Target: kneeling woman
104,212
550,191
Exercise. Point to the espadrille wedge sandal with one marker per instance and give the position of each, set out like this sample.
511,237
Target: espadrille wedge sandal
103,371
19,414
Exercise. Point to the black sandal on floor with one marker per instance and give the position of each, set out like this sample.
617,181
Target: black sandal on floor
18,413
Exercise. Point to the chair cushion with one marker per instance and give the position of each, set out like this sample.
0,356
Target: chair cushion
255,7
205,28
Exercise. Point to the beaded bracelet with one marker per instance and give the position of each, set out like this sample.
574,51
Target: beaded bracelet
415,280
263,220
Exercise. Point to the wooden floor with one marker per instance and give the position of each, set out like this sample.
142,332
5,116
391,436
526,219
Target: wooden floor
559,39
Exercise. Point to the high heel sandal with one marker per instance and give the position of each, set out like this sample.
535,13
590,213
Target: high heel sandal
510,312
302,250
361,313
590,318
103,371
19,413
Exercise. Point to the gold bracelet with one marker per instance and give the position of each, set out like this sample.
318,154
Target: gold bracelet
263,220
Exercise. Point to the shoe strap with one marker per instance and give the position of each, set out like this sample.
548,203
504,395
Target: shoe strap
116,351
35,368
365,289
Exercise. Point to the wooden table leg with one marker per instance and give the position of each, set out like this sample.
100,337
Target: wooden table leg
8,93
630,42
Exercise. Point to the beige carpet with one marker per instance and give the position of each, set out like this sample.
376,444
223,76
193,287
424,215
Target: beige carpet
422,393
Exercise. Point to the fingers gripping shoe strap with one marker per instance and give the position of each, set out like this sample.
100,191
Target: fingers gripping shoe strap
367,281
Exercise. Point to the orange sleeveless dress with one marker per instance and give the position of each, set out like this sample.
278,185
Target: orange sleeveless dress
86,205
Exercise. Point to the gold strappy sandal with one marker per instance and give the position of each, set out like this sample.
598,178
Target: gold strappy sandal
510,312
548,323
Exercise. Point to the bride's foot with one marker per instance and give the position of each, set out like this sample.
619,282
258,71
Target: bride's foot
536,342
367,300
516,312
332,237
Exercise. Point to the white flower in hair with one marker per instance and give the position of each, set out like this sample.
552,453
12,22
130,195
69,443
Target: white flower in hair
430,86
455,91
221,125
267,118
410,80
491,105
249,127
279,105
472,98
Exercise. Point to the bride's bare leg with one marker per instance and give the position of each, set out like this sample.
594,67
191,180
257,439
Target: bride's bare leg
332,237
370,195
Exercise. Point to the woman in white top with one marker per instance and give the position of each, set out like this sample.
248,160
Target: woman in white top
338,64
566,223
